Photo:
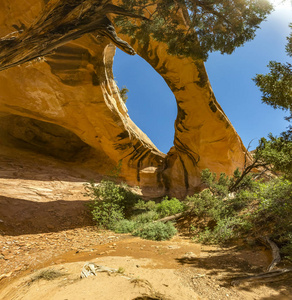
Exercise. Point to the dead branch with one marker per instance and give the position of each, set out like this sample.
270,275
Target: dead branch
273,276
269,276
275,251
59,23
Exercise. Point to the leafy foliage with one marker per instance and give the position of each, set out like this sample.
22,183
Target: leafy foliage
145,205
289,44
276,86
277,152
209,25
169,207
110,202
124,226
146,217
156,231
261,208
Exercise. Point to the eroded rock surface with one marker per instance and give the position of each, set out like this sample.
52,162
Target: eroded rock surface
69,100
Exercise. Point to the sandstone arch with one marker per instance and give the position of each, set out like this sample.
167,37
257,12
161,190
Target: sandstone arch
74,88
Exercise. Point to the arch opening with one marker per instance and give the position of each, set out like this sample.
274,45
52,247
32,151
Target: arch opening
151,104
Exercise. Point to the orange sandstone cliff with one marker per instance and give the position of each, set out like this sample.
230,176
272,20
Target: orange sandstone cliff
67,104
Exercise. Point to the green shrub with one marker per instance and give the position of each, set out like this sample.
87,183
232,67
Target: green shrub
206,204
254,208
146,217
123,226
225,230
110,202
274,211
145,205
155,231
170,207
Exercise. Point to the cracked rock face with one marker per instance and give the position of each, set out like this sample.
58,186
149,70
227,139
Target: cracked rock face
68,105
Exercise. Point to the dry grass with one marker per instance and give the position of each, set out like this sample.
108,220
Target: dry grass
48,274
153,295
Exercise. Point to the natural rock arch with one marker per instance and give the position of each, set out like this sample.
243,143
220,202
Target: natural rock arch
74,88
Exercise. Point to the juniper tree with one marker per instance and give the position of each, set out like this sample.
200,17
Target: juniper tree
276,86
207,25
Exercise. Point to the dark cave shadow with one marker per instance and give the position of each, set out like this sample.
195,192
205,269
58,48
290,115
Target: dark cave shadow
46,169
233,267
20,217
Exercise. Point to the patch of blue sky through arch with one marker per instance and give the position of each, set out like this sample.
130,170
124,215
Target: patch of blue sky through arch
151,104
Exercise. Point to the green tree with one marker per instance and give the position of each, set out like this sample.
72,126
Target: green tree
209,25
276,88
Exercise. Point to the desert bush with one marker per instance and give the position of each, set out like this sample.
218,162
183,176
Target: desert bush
170,207
146,217
225,230
123,226
273,213
111,202
255,208
157,231
145,205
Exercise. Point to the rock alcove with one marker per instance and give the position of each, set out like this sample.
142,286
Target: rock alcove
73,87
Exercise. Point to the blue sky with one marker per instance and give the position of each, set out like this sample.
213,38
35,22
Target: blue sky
151,104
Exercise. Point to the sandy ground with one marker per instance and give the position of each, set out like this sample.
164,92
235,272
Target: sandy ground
44,224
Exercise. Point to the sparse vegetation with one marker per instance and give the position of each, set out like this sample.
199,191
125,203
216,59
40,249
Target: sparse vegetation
210,25
123,93
258,209
121,270
48,274
230,207
116,207
111,202
169,207
155,231
124,226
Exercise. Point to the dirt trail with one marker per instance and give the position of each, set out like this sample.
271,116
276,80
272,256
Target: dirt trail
45,224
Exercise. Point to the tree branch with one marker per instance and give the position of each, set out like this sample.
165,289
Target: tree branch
59,23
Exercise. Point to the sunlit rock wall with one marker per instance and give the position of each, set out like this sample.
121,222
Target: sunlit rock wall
71,96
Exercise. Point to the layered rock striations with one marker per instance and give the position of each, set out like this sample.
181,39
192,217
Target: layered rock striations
67,104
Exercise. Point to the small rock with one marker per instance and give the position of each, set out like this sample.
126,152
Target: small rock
174,247
190,255
5,275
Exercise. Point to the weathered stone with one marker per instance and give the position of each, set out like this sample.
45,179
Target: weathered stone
72,96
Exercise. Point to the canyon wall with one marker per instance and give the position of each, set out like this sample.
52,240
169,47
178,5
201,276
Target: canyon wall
68,105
